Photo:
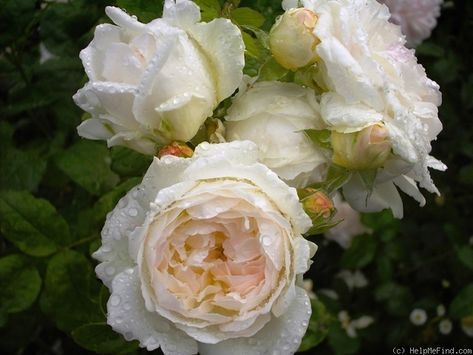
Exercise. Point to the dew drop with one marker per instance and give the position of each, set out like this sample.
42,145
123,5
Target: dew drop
127,306
115,300
266,240
119,320
133,212
106,248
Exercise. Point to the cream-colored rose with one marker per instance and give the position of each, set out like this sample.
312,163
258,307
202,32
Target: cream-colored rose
292,40
273,115
150,84
370,77
204,255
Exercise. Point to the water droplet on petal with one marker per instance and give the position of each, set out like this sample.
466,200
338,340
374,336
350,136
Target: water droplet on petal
133,212
115,300
266,240
110,270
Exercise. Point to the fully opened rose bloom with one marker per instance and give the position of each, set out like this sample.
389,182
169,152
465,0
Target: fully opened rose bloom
203,256
417,18
369,77
150,84
274,115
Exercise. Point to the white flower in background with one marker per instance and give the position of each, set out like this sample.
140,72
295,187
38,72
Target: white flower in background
328,293
204,254
445,326
417,18
353,279
153,83
467,326
273,115
370,77
350,224
441,311
418,317
351,326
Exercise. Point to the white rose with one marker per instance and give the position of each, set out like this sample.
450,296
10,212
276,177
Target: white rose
204,254
417,18
371,77
273,115
153,83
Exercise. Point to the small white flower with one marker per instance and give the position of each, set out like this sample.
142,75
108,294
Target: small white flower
445,326
351,326
418,317
441,310
353,279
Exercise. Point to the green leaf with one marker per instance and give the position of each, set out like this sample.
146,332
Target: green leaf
429,49
145,10
271,70
360,253
320,138
32,224
462,304
252,46
101,338
20,284
20,170
319,325
88,164
337,176
465,255
209,9
127,162
71,291
244,16
340,342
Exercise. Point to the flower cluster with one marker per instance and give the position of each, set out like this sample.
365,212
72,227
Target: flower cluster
207,253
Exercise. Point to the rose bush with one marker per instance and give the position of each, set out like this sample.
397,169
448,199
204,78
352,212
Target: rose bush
205,254
274,115
150,84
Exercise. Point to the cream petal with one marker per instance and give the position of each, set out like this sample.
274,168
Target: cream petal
121,65
280,335
409,186
127,315
181,13
384,195
223,46
346,117
122,19
128,214
94,129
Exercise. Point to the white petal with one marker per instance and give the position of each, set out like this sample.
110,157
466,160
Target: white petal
408,185
128,214
383,196
181,13
127,315
304,251
280,335
223,45
122,19
362,322
94,129
344,117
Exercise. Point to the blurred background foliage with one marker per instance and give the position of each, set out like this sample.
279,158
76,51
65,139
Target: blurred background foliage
56,189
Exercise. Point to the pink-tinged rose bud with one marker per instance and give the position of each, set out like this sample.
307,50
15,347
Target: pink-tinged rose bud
292,40
178,149
363,150
317,204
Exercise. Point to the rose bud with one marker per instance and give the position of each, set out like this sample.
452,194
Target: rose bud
316,202
292,40
178,149
366,149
